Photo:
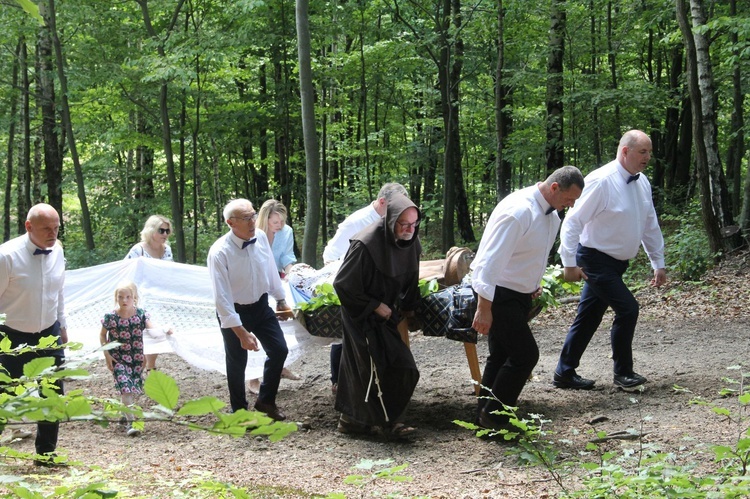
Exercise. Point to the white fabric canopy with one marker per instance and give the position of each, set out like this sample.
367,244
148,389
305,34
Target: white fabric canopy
175,295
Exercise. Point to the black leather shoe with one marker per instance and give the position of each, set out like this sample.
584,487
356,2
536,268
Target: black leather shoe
629,380
572,381
270,410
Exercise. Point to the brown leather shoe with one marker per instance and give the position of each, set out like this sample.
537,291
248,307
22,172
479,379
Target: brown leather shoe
270,410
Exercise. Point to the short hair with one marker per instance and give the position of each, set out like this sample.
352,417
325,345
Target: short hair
391,188
632,138
566,177
152,225
267,209
234,206
127,286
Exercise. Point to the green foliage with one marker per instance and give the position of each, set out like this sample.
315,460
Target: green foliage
324,296
20,404
428,287
642,470
688,254
554,286
389,473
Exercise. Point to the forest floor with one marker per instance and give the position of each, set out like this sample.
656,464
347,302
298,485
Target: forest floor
688,335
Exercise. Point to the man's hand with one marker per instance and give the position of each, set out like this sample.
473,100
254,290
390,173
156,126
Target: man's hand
64,334
283,311
384,311
660,277
247,339
536,294
574,274
483,317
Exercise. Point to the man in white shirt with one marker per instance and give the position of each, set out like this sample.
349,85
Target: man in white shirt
339,243
507,274
614,216
32,274
243,274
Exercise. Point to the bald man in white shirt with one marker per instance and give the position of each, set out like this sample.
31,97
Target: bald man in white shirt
507,275
613,218
32,275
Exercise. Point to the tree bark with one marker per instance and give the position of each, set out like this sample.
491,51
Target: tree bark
174,190
54,175
13,118
312,160
711,218
555,151
737,143
503,118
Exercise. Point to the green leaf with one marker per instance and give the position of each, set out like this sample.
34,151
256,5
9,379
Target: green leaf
31,8
77,407
162,389
201,406
36,367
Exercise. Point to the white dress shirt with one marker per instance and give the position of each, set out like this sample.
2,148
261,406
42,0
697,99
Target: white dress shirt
614,217
339,243
515,244
31,286
241,275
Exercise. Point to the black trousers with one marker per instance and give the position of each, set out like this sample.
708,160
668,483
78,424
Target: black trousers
259,319
604,288
513,351
46,435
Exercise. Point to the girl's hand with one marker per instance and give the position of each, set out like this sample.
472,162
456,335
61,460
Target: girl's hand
110,362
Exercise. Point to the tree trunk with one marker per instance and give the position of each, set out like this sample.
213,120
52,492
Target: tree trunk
555,151
737,143
13,118
174,190
312,160
503,118
711,218
54,175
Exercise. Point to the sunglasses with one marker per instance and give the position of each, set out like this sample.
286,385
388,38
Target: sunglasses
164,231
413,225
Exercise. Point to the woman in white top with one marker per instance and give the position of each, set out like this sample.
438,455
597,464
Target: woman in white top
154,237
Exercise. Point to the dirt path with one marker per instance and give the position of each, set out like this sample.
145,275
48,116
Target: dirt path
686,339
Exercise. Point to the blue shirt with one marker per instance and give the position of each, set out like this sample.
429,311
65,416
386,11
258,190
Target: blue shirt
283,248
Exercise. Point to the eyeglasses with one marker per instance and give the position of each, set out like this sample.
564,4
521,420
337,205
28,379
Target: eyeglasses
412,225
249,218
164,231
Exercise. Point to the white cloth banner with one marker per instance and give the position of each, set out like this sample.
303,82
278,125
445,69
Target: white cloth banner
176,296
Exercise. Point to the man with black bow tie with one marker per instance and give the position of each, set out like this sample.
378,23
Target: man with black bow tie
243,274
507,274
614,216
32,274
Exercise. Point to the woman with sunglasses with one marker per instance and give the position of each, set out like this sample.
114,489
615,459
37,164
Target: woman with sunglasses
153,244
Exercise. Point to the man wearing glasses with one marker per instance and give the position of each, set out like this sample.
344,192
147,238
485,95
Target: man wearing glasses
243,274
377,283
507,273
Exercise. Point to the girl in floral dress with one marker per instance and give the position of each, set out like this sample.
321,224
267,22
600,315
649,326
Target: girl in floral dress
126,325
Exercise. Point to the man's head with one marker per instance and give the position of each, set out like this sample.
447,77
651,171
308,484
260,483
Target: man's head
563,187
42,225
406,224
385,195
634,151
240,217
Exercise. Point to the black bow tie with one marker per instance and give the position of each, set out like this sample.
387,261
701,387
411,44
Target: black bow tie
549,210
40,251
245,244
633,177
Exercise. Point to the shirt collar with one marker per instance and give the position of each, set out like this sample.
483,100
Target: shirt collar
622,171
543,204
